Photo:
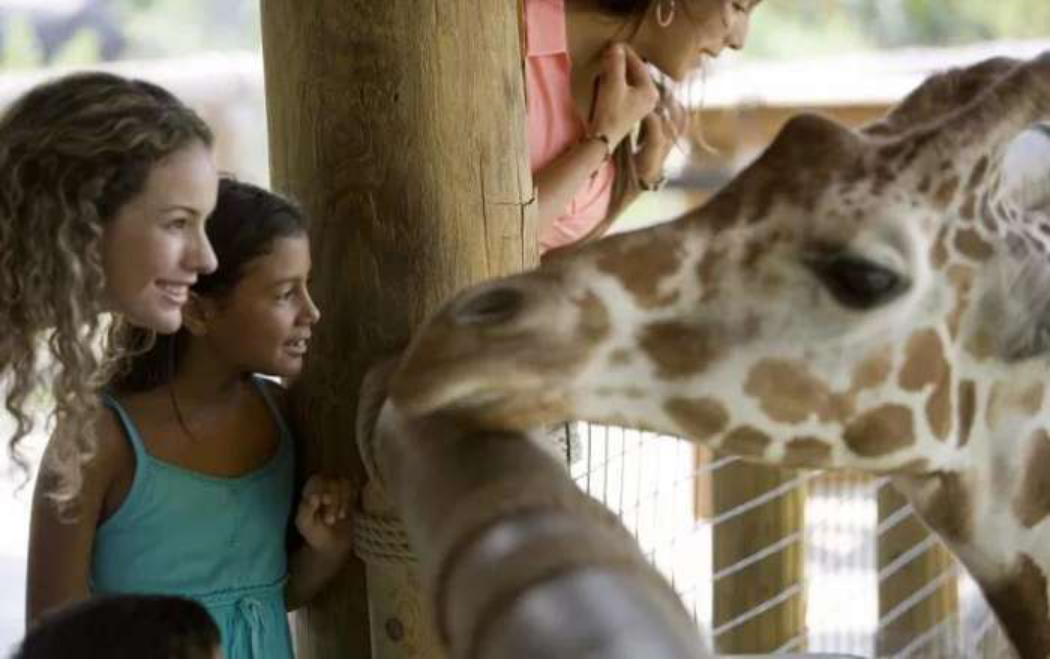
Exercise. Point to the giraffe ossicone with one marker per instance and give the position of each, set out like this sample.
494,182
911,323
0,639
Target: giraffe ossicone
876,299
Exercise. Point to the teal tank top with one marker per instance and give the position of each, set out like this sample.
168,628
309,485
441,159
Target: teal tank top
220,541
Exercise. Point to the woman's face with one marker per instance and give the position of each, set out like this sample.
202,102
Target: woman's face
700,28
264,324
155,246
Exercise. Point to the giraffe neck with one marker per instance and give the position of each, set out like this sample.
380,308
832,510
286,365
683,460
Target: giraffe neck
993,512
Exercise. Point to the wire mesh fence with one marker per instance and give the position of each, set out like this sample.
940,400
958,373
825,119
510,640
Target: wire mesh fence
858,539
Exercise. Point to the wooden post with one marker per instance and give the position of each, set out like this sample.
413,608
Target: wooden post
399,126
778,575
911,577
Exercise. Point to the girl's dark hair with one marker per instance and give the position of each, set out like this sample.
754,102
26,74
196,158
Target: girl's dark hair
124,627
244,225
73,151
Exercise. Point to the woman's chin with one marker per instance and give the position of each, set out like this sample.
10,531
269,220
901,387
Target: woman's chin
166,321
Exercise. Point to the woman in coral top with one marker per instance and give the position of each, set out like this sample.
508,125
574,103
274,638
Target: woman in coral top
588,87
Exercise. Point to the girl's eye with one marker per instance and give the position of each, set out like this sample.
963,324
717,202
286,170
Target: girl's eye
178,223
286,295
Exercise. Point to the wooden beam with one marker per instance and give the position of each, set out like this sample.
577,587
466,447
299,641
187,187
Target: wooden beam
776,577
399,126
934,565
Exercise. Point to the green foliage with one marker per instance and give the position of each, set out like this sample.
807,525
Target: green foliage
157,28
791,28
20,47
84,48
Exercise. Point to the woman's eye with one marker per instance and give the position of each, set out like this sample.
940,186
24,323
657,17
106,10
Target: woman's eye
178,223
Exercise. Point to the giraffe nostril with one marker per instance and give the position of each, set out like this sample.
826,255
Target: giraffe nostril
490,307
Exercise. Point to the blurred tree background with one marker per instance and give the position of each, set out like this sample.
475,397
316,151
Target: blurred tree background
35,33
71,32
797,28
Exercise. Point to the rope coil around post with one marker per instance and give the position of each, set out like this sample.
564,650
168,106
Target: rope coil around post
382,540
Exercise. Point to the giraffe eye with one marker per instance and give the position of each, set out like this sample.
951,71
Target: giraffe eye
854,282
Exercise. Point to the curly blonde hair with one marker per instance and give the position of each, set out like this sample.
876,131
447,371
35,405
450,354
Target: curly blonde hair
73,151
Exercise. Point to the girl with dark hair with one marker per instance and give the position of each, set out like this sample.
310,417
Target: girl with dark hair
589,87
191,489
105,184
125,627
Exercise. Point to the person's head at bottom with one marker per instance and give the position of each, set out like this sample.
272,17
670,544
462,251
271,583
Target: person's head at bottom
124,627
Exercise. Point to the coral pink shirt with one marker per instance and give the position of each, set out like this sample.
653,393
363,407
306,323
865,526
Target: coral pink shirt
553,123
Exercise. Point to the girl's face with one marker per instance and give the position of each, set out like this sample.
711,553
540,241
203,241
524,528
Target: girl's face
700,28
155,247
264,324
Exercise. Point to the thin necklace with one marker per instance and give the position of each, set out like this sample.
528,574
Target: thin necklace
178,413
171,394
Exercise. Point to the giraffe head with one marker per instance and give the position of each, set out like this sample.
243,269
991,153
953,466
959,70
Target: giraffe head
835,304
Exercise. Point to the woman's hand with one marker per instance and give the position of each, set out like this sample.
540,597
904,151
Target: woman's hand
324,515
660,131
625,95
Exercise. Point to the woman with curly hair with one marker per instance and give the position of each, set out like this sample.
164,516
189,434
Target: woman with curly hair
105,185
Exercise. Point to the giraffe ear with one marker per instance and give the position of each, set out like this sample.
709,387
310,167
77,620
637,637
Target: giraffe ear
1026,171
1023,291
1022,305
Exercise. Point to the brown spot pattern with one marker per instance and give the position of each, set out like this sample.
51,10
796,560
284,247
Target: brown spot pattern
746,441
1031,503
807,452
939,408
967,406
640,265
707,273
961,278
977,173
880,431
788,393
1031,399
924,362
970,244
620,357
969,207
946,191
939,252
1006,399
1020,603
949,510
873,370
594,318
677,349
980,345
699,418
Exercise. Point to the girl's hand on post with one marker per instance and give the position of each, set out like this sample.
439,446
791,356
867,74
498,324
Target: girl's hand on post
324,515
625,94
660,130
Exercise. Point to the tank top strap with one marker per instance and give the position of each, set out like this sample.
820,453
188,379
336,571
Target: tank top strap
132,432
275,411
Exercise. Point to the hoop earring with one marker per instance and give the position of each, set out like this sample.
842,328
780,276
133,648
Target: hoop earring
664,20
